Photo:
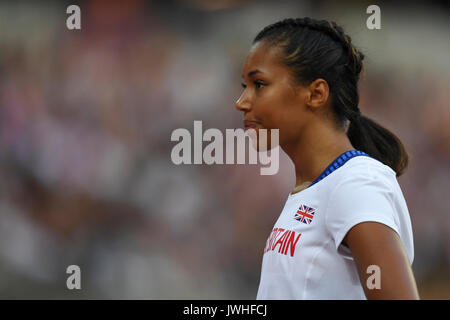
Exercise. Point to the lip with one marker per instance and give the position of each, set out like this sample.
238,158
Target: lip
250,124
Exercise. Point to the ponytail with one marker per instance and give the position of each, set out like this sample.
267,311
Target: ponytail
367,135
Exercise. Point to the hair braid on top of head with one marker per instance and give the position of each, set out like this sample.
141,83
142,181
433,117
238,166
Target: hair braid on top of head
331,29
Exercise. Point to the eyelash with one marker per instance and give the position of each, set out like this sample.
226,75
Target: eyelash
256,82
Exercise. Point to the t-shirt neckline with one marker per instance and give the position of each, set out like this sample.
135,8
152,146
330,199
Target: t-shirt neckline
334,165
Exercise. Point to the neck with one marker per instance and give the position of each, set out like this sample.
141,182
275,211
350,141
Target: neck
317,147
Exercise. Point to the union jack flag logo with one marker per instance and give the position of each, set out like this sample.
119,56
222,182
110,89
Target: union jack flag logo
305,214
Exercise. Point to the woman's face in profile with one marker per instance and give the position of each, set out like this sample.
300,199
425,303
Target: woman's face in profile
270,100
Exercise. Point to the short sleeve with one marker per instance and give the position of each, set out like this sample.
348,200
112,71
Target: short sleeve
357,199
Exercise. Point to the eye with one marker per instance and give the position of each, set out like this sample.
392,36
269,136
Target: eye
243,85
259,84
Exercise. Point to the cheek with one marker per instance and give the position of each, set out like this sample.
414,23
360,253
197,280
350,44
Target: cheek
284,116
271,108
290,122
278,108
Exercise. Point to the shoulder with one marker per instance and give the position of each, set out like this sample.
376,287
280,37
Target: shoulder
369,165
364,181
365,191
364,171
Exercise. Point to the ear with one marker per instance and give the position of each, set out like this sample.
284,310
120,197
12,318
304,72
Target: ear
319,92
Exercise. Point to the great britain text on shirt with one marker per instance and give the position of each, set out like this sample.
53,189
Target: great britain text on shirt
286,239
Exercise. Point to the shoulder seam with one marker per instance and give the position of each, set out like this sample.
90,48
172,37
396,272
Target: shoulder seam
381,165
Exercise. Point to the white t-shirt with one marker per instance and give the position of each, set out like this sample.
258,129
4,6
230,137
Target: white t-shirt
303,257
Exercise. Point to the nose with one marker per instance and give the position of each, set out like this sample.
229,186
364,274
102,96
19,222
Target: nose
243,103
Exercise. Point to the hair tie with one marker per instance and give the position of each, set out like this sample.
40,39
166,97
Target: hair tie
358,115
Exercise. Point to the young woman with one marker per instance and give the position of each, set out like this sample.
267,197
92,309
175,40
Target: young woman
345,230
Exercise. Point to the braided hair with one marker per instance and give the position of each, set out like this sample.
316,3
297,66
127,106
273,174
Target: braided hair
315,49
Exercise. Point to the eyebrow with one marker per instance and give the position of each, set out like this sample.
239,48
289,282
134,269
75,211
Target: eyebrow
253,72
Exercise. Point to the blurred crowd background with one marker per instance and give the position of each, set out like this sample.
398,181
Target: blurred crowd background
86,117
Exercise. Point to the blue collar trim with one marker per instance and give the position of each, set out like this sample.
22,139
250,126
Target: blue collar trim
339,162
